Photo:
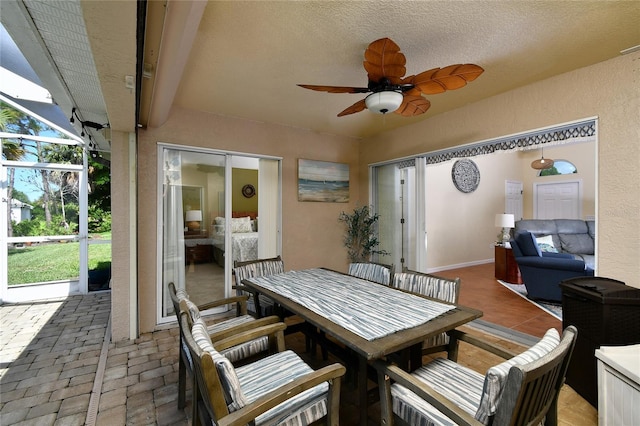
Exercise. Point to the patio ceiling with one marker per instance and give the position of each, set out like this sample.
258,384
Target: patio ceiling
244,59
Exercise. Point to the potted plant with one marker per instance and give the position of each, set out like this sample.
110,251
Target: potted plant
361,238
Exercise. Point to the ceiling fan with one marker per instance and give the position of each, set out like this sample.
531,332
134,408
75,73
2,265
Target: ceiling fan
391,91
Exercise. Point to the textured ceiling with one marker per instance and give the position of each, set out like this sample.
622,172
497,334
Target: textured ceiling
244,58
247,57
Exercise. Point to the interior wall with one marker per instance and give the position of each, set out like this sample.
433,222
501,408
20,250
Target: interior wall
582,155
311,234
609,91
240,178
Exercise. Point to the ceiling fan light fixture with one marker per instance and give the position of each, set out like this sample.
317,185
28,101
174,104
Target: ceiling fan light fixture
384,102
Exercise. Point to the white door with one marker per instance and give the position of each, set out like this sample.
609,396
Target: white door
513,198
557,200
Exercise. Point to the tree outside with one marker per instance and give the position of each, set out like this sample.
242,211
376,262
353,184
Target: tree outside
53,195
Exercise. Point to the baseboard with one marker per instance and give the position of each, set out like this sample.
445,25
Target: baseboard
459,265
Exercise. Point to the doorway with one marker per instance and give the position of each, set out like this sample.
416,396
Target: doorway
557,200
216,208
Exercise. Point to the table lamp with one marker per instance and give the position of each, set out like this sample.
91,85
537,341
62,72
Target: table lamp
506,222
193,219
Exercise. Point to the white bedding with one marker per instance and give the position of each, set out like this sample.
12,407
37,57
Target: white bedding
244,245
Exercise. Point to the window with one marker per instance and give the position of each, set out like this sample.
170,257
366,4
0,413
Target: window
560,167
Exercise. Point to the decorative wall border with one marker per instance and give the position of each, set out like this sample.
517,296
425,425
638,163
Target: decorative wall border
574,132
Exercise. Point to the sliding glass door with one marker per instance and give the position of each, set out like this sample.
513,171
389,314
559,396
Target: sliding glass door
217,208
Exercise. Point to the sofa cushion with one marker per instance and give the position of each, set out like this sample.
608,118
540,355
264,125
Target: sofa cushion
577,243
591,224
528,245
571,226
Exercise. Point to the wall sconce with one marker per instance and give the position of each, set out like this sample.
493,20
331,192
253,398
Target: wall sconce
193,219
506,222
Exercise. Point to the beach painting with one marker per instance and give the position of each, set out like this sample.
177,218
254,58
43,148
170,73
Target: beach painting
323,181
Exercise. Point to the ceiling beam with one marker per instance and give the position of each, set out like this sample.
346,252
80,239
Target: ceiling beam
181,24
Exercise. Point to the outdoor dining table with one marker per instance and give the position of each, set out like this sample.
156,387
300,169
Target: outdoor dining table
372,320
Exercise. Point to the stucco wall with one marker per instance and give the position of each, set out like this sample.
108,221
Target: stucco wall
121,182
609,90
313,237
311,234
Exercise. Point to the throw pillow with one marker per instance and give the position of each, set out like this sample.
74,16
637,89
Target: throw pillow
546,244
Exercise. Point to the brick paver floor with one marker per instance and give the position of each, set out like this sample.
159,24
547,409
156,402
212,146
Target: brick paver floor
50,364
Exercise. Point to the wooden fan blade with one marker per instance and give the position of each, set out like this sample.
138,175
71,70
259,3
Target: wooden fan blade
384,60
413,105
335,89
357,107
453,77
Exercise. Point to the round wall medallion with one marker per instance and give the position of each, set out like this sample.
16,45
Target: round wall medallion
465,175
248,191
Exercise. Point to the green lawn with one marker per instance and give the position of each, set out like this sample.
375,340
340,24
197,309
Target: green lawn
54,261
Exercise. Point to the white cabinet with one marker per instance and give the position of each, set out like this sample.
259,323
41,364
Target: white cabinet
619,385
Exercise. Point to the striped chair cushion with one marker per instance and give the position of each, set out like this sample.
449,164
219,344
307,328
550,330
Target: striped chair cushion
259,269
244,350
371,272
429,285
228,378
461,385
235,353
475,394
497,375
269,373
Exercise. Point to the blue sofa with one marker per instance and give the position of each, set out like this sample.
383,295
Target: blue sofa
542,271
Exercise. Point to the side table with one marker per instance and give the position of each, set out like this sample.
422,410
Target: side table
506,266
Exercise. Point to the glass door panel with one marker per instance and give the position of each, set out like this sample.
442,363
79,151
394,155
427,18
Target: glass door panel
193,216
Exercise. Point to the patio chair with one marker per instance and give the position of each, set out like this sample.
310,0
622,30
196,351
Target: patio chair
218,331
444,289
257,305
370,271
520,391
279,389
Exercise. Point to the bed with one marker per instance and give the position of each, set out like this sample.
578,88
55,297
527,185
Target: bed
244,239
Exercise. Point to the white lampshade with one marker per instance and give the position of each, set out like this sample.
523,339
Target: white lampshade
505,221
193,216
383,102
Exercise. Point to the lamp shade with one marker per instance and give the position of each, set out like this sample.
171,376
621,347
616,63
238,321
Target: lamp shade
193,216
383,102
542,163
505,221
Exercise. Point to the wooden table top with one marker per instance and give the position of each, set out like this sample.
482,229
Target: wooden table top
325,299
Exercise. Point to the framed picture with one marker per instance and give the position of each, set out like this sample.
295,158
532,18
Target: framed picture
323,181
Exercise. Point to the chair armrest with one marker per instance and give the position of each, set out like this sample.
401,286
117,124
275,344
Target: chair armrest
331,374
241,300
458,336
549,254
272,330
427,393
244,288
551,263
240,328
